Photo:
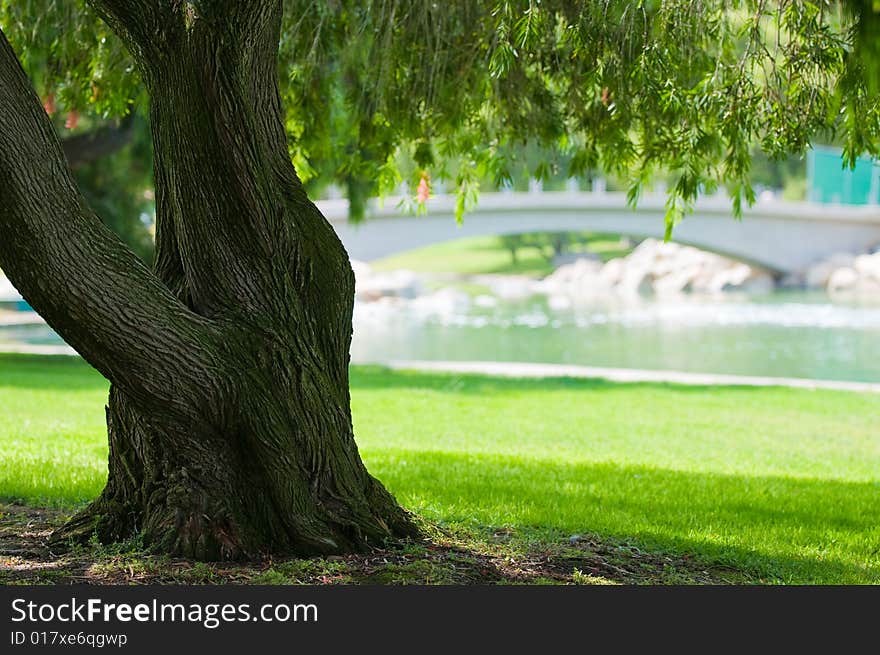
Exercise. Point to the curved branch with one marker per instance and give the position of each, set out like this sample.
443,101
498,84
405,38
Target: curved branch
136,22
79,276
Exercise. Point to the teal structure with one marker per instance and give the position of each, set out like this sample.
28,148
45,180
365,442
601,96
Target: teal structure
829,181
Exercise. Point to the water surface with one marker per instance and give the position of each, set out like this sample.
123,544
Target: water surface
787,334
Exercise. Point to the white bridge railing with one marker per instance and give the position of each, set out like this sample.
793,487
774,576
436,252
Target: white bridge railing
549,201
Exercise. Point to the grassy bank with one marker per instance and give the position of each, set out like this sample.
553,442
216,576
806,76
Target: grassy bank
782,485
489,255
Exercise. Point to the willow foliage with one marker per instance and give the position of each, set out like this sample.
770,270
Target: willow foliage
683,87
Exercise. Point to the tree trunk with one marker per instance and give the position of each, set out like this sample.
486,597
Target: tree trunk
229,417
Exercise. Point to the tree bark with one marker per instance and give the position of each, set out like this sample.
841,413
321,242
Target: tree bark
229,418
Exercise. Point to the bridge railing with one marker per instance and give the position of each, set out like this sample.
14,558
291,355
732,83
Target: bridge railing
548,201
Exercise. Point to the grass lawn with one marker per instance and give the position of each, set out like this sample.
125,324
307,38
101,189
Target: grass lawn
484,255
779,485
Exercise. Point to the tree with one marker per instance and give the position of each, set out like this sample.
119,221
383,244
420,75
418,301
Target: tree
228,420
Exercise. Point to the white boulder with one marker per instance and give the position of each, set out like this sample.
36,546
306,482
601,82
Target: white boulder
843,279
846,273
868,266
817,276
371,286
656,267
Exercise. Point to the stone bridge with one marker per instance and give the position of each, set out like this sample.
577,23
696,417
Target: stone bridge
784,237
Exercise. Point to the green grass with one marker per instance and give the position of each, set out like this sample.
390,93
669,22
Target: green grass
484,255
781,483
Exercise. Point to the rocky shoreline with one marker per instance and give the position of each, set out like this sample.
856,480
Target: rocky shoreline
846,273
653,268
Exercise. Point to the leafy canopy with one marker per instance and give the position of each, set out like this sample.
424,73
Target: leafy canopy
379,91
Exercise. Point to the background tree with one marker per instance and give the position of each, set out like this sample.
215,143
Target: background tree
229,422
112,165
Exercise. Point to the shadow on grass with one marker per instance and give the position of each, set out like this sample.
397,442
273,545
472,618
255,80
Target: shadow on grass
456,557
778,528
771,529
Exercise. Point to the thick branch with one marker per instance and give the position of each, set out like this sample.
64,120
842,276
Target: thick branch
137,22
222,170
143,25
85,148
150,28
88,286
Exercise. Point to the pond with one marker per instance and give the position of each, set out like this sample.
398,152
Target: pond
781,334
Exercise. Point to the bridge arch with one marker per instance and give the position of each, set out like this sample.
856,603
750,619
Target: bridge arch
781,237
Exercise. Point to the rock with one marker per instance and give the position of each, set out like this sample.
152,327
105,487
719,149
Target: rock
817,276
655,267
675,282
636,280
566,258
443,302
843,279
843,272
869,286
572,279
612,272
399,284
868,266
702,282
576,271
727,279
369,295
509,287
